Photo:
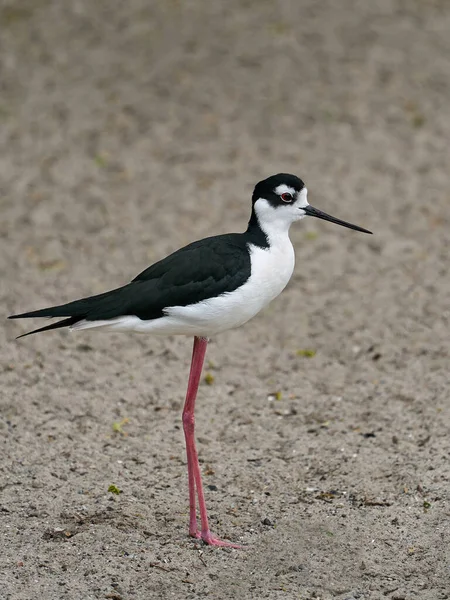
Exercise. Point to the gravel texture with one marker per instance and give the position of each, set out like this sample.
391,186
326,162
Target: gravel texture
128,129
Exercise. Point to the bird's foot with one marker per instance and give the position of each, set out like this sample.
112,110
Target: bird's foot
209,539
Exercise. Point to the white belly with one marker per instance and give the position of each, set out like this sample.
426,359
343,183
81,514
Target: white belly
271,270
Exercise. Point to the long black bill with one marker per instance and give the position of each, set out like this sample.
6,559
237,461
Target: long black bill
315,212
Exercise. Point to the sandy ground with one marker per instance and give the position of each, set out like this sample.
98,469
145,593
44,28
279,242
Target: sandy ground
128,129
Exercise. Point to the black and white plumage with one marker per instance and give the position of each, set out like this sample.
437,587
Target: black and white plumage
210,285
207,287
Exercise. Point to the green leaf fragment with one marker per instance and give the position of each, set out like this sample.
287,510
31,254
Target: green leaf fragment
101,161
209,379
306,353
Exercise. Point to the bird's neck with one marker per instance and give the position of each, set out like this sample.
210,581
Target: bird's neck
266,235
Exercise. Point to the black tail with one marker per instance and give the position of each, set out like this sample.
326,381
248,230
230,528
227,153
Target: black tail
103,306
65,323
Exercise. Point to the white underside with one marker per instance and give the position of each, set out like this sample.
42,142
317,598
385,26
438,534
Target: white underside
271,270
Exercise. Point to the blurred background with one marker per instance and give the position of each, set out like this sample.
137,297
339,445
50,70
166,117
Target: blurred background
128,129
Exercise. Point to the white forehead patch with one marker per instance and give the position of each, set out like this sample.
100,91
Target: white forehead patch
284,189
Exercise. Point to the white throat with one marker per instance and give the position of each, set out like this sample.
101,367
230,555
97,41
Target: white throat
276,221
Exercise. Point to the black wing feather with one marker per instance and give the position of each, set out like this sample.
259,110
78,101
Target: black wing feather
196,272
64,323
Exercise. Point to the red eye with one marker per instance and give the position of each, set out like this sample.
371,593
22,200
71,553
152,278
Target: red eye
287,197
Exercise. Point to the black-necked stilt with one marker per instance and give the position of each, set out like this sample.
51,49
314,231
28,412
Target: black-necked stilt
205,288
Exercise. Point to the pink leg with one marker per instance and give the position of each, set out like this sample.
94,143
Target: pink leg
194,474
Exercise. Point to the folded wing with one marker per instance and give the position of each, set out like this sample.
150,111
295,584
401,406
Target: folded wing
201,270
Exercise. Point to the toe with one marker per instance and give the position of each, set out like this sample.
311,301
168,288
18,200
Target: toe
211,540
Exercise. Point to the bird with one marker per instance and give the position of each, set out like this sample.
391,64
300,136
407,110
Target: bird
207,287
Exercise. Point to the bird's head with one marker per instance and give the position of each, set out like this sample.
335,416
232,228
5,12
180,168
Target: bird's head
282,199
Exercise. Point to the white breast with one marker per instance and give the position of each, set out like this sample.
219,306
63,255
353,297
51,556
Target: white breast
271,269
